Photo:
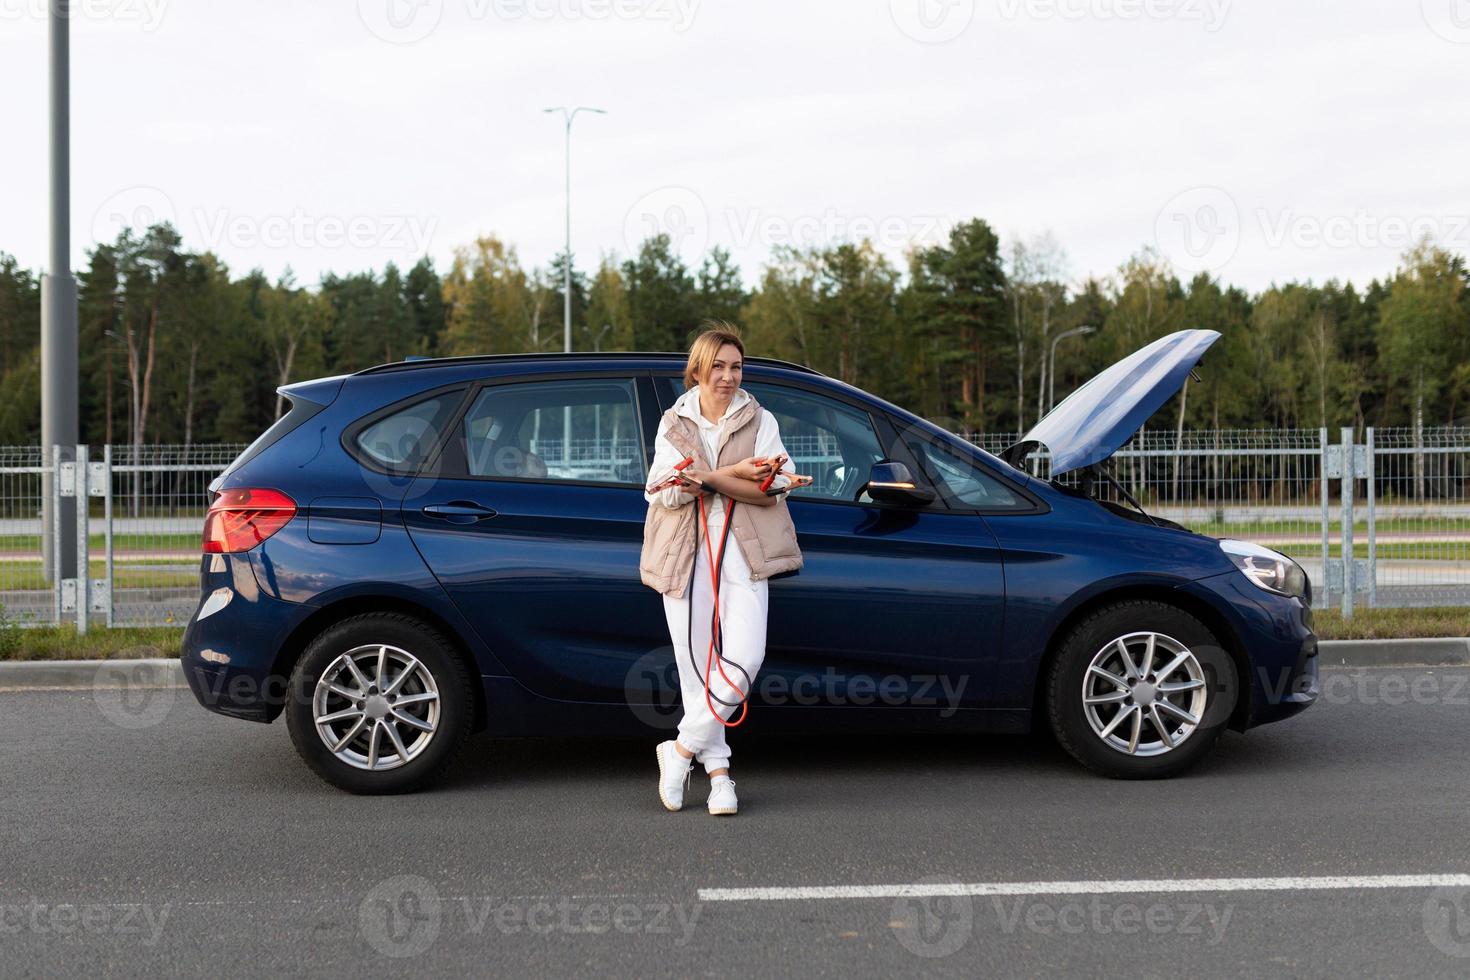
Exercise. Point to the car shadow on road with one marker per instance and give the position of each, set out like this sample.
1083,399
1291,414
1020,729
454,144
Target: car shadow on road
864,761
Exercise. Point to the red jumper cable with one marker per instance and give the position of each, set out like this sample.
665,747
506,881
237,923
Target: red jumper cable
716,647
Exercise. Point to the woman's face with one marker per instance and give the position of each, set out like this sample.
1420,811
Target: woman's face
723,379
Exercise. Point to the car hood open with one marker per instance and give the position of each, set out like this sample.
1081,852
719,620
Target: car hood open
1095,420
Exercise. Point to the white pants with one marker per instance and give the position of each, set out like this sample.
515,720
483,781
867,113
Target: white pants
743,606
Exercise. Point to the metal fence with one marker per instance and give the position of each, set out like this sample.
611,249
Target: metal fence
1379,520
1383,521
138,560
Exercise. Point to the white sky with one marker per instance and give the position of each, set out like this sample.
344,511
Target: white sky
1263,139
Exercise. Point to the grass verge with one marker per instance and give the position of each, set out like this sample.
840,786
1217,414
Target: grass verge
1380,623
99,643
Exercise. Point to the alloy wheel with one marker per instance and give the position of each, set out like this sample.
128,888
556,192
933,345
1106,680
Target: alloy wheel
1144,693
376,707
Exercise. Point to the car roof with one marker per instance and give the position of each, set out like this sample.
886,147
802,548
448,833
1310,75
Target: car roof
634,359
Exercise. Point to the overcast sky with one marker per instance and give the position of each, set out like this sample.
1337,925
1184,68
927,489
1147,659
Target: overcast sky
1260,139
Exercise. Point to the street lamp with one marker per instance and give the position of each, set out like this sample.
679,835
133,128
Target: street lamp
566,417
597,340
568,115
1051,395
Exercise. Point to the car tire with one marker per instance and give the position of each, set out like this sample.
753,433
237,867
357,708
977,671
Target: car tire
425,699
1088,686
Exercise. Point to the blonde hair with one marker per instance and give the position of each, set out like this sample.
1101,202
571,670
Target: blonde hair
706,348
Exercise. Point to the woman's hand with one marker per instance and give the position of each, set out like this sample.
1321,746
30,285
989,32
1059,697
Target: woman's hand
754,468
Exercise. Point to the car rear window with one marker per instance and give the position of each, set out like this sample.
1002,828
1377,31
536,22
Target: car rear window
400,441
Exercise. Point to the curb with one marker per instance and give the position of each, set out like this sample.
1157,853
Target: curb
89,675
82,675
1442,651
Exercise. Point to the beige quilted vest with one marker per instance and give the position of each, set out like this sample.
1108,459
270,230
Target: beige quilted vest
765,535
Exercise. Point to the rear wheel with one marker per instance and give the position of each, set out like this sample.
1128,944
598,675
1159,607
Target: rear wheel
380,703
1140,690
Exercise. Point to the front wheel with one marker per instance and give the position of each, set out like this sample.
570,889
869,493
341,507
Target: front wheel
380,703
1140,690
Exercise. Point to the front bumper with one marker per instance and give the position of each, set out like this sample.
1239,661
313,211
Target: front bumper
1280,650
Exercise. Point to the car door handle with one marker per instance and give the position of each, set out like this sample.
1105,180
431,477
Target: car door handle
459,512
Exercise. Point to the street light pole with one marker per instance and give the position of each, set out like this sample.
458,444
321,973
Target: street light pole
59,324
597,340
566,416
568,115
1051,395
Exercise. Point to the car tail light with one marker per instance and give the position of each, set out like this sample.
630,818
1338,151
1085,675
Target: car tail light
241,518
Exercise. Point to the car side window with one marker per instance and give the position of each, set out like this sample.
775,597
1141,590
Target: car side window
828,440
584,429
401,440
961,480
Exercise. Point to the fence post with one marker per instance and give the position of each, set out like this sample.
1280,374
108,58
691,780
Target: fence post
107,525
56,585
1326,513
1372,491
1348,579
83,584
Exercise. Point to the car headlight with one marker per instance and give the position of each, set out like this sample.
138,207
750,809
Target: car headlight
1269,569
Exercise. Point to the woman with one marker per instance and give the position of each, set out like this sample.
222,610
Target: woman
734,443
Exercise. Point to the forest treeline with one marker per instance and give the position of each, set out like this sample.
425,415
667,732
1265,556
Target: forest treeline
178,348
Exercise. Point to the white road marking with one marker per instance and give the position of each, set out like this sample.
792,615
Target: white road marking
1102,887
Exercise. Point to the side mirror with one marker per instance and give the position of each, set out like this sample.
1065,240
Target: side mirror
892,483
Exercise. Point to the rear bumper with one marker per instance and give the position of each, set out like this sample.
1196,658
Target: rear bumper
228,654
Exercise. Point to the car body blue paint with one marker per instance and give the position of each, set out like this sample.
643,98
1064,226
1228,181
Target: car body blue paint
546,599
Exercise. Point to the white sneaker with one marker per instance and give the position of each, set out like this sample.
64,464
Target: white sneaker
673,775
722,795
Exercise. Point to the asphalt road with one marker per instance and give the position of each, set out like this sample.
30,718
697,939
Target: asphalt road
149,836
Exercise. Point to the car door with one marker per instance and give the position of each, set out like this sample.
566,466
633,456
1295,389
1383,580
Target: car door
893,605
536,537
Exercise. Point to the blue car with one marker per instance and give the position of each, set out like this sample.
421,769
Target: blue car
434,547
